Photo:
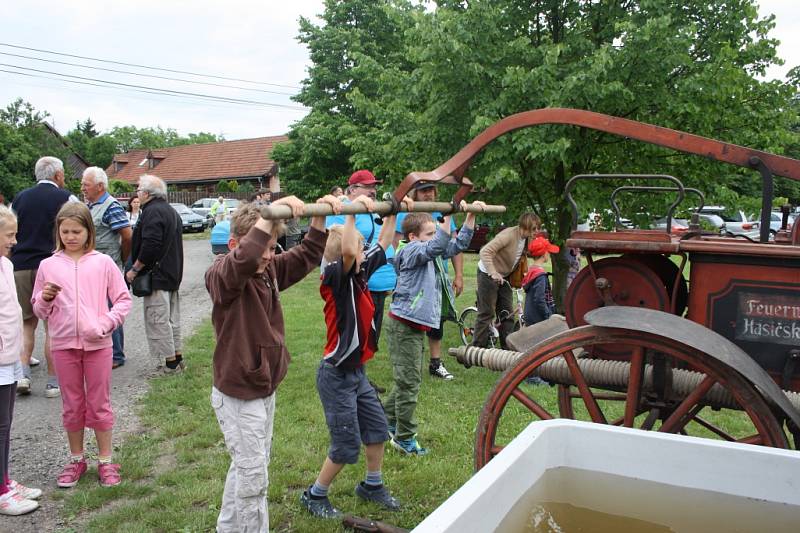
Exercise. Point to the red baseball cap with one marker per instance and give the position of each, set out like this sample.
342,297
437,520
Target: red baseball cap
539,246
362,177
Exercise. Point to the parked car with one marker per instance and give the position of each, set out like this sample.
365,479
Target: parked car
775,221
736,221
679,225
203,206
191,221
231,204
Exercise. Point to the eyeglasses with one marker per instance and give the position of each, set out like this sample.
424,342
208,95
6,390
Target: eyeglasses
372,187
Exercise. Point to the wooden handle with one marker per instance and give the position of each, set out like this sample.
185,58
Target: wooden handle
381,208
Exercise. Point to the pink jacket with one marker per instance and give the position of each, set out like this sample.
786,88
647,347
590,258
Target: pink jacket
10,315
79,317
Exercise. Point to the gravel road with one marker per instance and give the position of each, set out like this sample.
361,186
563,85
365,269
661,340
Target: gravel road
38,442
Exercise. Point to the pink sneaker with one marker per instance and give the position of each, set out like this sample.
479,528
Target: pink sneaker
109,474
71,474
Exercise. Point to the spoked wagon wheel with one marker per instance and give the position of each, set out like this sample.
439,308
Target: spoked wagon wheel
466,323
629,399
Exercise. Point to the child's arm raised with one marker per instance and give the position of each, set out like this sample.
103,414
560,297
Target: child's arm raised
336,205
350,241
461,242
295,264
469,222
386,237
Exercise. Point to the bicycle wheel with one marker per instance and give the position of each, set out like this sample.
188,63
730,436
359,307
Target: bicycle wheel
466,323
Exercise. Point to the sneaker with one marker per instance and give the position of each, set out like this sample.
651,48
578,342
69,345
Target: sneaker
378,495
319,507
24,386
109,474
14,504
34,362
392,430
439,371
409,446
71,474
26,492
51,391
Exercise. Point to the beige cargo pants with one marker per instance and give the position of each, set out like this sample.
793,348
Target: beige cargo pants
247,428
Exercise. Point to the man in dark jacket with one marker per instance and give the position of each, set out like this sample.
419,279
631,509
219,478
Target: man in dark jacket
158,249
36,210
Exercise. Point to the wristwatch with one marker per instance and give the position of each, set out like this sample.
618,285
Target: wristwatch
136,270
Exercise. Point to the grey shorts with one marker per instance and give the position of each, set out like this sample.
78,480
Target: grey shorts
24,280
353,412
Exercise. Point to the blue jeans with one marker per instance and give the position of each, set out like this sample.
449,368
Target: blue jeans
118,343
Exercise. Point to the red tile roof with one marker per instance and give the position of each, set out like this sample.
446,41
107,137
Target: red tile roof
200,162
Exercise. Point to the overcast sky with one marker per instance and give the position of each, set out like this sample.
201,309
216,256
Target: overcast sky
252,40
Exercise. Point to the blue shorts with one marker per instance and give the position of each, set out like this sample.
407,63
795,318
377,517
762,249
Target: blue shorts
353,412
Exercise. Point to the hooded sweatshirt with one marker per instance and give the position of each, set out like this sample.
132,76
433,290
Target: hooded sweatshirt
79,317
10,315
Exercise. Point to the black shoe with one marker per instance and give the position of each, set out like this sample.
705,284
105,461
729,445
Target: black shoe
319,507
380,496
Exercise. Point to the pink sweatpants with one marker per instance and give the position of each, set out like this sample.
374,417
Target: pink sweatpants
85,381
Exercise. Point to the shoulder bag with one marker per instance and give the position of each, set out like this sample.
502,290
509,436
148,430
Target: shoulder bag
142,284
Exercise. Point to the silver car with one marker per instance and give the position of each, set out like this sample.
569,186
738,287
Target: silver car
736,221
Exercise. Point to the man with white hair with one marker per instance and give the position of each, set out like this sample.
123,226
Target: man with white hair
158,248
113,235
36,209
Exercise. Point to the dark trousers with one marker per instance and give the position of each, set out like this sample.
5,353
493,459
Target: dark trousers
7,395
379,299
493,299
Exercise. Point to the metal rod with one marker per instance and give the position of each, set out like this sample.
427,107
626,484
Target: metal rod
381,208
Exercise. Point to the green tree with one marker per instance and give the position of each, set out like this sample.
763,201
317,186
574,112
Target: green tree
23,140
351,32
690,65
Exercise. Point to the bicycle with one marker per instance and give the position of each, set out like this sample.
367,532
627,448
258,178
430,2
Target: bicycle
469,316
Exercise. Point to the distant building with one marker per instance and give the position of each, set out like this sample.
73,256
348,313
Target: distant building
199,167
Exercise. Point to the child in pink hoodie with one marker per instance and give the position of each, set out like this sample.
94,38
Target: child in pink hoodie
15,499
72,292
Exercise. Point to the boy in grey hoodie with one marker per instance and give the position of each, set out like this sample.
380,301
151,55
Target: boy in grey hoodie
416,308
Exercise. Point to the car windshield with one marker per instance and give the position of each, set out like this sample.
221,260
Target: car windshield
182,209
232,204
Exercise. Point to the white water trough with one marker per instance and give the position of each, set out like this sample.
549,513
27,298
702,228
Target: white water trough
679,483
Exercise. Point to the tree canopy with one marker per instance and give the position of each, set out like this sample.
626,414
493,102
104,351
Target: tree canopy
409,99
23,140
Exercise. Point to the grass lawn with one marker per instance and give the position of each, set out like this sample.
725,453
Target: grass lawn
174,469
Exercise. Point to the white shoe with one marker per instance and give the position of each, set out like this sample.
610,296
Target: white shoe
14,504
24,386
34,361
26,492
51,391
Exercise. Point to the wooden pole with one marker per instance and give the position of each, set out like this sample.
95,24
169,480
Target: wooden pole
273,212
